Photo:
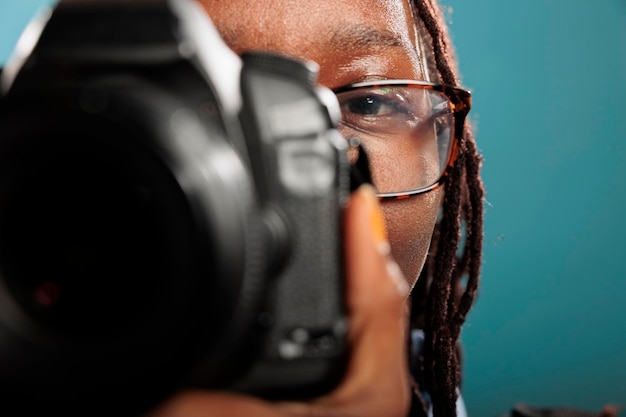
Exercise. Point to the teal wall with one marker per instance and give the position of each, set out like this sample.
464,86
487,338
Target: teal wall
14,15
549,84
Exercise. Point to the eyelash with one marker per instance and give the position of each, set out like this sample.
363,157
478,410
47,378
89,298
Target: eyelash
354,104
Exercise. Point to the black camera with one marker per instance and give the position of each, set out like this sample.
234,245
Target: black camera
170,215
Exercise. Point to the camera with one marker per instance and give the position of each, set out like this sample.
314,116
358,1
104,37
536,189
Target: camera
170,215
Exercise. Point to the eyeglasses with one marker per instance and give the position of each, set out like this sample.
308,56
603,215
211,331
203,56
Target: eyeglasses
410,131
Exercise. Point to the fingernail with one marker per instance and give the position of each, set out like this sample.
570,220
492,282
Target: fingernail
377,219
379,231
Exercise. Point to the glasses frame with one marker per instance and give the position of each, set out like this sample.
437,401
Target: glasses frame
460,102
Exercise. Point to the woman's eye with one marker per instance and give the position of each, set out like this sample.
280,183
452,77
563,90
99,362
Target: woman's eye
371,106
375,113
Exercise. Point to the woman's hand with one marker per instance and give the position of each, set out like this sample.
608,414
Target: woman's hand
376,382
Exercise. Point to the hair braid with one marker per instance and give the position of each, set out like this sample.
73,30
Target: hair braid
474,242
440,302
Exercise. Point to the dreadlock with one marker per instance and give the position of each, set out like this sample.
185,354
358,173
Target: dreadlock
448,284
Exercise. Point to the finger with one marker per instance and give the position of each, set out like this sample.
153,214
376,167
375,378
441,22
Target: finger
376,381
377,376
369,265
376,293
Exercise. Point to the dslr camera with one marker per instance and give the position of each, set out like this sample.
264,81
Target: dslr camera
170,215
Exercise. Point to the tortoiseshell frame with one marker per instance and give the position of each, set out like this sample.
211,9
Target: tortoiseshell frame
461,103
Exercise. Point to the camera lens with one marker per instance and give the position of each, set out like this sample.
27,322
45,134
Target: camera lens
83,247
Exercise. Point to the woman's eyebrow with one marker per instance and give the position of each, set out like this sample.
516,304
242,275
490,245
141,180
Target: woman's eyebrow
365,37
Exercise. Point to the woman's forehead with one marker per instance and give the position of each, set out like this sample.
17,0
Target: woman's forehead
351,40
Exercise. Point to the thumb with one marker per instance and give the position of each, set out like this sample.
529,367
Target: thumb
377,292
376,381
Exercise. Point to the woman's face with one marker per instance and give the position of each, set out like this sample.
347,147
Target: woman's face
352,41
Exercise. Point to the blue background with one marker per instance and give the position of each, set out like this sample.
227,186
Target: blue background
549,85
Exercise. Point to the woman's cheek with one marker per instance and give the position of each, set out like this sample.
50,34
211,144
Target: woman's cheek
410,225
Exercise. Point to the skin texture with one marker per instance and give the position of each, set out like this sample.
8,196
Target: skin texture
352,41
386,245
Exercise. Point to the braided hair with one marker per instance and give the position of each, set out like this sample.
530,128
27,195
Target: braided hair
449,280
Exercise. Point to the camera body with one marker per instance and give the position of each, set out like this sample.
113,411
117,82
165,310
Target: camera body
170,215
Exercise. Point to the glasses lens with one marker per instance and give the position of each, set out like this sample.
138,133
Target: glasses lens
406,130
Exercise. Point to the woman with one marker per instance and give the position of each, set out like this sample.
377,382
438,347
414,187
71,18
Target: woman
374,41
